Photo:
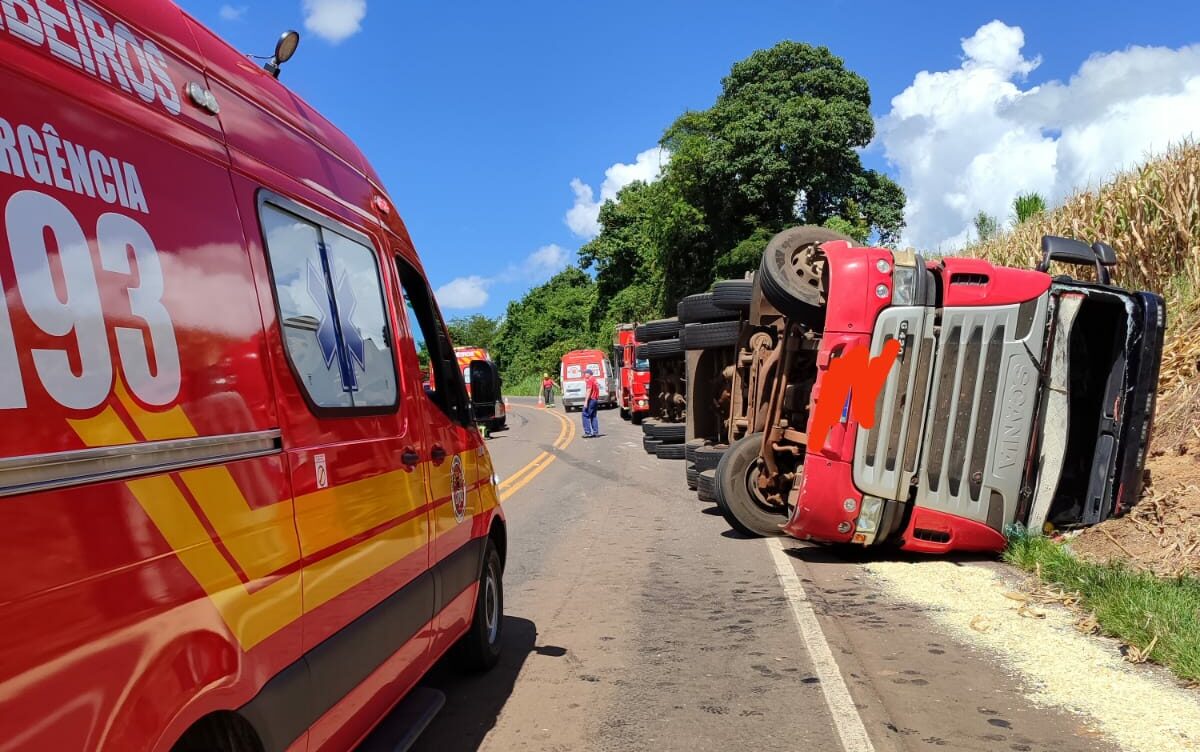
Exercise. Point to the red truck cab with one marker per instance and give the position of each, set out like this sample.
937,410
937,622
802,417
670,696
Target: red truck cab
634,375
234,518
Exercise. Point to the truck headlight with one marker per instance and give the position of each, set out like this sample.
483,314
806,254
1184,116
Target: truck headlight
866,527
904,286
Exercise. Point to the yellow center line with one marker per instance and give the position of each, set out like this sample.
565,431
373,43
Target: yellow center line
522,477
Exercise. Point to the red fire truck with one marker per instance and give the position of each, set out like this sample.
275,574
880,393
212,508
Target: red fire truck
634,378
468,355
234,519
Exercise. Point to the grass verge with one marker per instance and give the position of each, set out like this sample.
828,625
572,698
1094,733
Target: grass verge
1159,616
529,386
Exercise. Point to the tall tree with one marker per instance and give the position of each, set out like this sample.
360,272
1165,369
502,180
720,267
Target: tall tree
475,330
986,226
548,321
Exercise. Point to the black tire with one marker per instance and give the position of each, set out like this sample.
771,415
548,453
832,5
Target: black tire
648,425
652,331
669,451
690,449
624,414
706,485
636,418
737,500
733,294
659,349
667,433
711,335
692,475
700,307
708,457
479,649
796,289
650,445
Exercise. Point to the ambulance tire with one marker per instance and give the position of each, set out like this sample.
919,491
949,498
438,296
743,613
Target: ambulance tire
669,451
700,307
708,457
705,485
711,335
668,433
652,331
733,294
736,496
650,445
796,291
692,476
659,349
479,649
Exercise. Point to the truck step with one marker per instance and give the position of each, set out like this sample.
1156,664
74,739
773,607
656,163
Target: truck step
401,728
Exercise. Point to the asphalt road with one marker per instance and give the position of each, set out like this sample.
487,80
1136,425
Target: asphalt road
636,620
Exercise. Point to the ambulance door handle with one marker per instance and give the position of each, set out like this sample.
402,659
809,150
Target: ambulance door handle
410,458
437,454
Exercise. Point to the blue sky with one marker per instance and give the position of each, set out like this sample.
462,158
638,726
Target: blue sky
479,115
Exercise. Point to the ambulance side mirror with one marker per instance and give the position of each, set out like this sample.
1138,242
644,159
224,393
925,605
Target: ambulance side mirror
485,389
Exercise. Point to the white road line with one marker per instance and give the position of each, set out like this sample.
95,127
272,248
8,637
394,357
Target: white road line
846,719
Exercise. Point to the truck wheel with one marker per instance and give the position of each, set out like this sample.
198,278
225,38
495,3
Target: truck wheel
636,418
673,433
708,457
650,445
711,335
669,451
792,270
737,495
648,425
733,294
705,483
690,448
692,476
663,348
652,331
479,648
700,307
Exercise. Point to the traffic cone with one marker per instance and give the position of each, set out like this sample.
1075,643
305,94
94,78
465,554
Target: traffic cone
541,399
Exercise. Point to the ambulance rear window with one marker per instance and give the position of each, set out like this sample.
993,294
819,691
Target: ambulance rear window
332,311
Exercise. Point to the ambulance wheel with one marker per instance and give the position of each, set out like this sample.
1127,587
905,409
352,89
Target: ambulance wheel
792,272
737,494
479,648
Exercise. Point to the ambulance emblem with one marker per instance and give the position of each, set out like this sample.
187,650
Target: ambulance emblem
458,489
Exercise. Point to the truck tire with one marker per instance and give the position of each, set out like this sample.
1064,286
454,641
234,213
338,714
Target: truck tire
711,335
648,425
707,457
669,451
690,449
736,496
692,475
733,294
636,418
668,433
700,307
706,485
659,349
479,649
794,287
652,331
650,445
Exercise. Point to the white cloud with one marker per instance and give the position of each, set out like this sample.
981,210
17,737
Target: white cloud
583,218
232,12
472,291
334,20
972,138
464,292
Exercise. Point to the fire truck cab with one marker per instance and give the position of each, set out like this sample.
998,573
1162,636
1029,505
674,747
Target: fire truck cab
234,519
486,396
634,374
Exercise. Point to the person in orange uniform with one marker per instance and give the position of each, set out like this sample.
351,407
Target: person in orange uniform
591,425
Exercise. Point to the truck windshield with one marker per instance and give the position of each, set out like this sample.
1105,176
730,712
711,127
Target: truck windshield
641,364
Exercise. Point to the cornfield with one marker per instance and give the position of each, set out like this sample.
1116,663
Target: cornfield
1151,216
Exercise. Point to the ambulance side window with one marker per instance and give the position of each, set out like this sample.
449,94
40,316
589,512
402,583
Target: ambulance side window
444,384
331,310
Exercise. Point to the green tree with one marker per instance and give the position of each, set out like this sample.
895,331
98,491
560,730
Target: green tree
475,330
1028,205
548,321
779,147
986,226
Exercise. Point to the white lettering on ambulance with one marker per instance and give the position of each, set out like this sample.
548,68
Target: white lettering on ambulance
80,35
49,159
38,226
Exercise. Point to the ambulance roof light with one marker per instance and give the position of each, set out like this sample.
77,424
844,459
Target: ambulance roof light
284,49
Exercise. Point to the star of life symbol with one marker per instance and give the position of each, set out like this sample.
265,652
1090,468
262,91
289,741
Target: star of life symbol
344,302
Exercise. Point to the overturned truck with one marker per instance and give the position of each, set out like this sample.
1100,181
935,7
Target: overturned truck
877,398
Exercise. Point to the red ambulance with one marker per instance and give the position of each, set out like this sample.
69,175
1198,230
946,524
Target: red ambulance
233,519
